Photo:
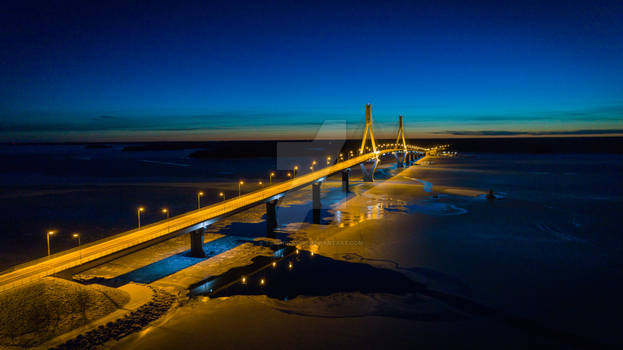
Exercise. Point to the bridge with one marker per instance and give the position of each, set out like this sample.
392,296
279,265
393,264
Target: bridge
195,222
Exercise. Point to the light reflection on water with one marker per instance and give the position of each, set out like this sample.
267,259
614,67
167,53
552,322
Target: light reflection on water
357,214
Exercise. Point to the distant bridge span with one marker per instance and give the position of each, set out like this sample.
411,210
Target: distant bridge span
195,222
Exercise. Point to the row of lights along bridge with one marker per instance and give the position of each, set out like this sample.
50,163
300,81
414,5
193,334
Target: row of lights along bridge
165,211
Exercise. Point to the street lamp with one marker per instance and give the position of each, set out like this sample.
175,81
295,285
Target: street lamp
138,214
328,160
296,167
261,184
240,183
289,174
199,195
221,194
47,238
270,178
77,235
166,211
312,166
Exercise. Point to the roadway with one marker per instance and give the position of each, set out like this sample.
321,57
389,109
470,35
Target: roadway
47,266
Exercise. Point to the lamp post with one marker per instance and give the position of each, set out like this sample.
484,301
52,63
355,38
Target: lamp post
221,194
261,184
289,174
166,211
240,183
328,160
138,214
296,167
47,238
270,178
312,166
199,195
77,235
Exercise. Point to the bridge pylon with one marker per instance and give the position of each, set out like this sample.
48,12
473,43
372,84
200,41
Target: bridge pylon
368,175
401,134
368,129
401,156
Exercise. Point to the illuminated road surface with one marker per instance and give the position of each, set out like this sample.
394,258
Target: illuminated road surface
39,268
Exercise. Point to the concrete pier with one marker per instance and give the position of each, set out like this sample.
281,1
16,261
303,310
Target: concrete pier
368,175
400,159
345,179
196,243
316,195
271,215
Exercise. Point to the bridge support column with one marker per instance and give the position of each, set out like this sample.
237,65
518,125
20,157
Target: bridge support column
196,243
316,205
316,196
400,159
368,175
345,178
271,215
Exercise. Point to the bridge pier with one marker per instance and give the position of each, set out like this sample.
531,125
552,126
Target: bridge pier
271,216
316,205
400,159
368,175
196,243
316,195
345,178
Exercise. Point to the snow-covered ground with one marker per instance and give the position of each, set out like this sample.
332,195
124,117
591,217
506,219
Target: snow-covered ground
420,223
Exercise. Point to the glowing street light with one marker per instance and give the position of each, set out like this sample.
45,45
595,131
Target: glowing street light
312,165
47,238
77,235
138,214
240,183
328,160
289,174
261,184
296,167
166,211
199,195
270,178
244,280
221,194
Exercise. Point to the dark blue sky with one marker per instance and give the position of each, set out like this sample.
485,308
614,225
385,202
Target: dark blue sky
95,70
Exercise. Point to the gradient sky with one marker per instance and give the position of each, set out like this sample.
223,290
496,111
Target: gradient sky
149,70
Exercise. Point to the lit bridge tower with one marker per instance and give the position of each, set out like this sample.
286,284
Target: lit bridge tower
403,156
368,175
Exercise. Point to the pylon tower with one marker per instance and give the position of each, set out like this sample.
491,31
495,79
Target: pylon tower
368,175
401,135
368,129
401,156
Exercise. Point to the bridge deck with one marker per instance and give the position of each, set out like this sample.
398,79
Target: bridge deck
36,269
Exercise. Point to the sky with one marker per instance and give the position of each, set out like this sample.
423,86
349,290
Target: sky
155,70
